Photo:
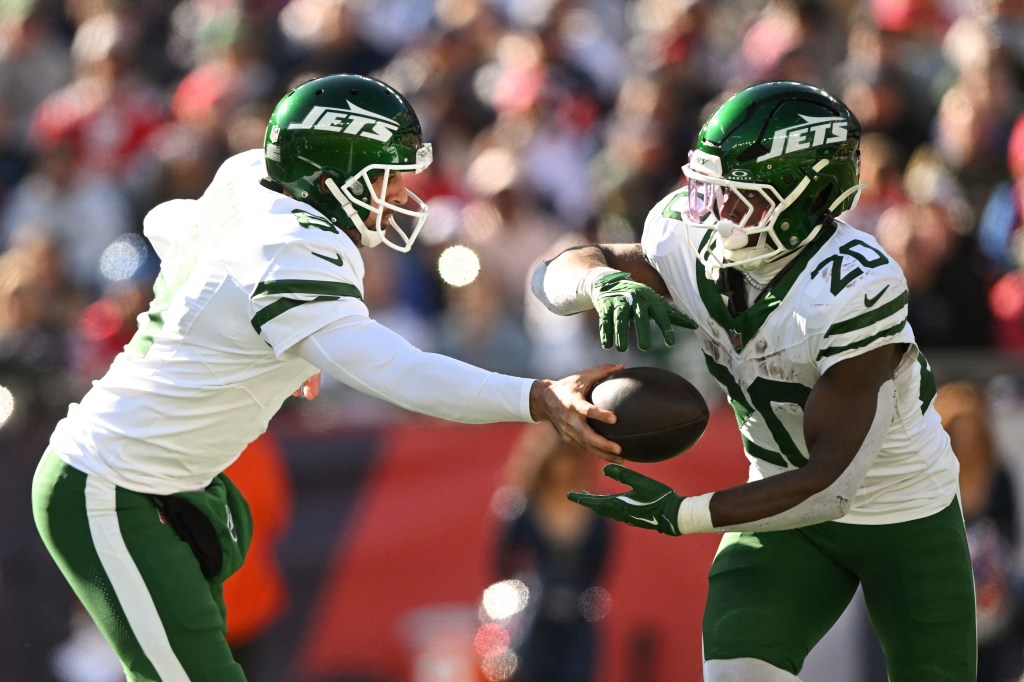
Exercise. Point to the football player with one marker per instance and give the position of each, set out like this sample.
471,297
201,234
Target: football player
802,320
260,288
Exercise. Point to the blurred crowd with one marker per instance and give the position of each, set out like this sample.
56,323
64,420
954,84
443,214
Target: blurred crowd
553,122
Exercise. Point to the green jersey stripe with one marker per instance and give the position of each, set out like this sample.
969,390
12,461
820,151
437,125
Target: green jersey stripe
280,307
324,291
891,331
928,388
870,317
307,286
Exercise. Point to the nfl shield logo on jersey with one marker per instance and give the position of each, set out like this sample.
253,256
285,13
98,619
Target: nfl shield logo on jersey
736,339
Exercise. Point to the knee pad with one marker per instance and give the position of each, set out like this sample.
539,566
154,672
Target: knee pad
745,670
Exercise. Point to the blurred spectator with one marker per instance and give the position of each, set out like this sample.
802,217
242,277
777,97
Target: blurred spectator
327,36
792,40
1003,216
34,61
646,139
970,135
187,155
916,27
874,83
987,495
505,225
81,211
927,235
65,301
551,107
35,388
106,325
1006,302
558,552
476,327
881,171
232,73
109,110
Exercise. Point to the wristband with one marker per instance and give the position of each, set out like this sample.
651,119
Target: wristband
590,277
695,514
566,293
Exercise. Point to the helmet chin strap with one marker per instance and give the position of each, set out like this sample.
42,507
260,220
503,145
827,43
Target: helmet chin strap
368,238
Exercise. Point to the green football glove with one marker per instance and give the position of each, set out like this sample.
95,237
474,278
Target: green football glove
619,301
650,504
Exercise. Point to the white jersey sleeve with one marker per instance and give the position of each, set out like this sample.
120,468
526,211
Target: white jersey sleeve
309,282
860,303
371,358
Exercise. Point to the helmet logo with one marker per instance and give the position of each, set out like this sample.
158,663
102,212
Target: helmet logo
815,131
275,133
351,121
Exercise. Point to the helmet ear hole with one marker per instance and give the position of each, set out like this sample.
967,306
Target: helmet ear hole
821,200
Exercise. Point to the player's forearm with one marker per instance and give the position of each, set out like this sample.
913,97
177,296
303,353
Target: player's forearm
372,359
564,283
787,500
813,494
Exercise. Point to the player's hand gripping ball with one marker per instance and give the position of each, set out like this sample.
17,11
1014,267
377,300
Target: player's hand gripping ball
660,414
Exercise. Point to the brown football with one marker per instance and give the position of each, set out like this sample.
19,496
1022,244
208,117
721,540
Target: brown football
660,414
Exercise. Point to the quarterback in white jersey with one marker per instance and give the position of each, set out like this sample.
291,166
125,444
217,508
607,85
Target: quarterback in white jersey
802,320
260,287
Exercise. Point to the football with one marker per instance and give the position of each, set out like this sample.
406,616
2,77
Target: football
660,414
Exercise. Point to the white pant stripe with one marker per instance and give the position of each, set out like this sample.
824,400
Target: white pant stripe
100,503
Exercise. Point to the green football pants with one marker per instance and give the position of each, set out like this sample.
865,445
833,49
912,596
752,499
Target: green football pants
138,580
774,595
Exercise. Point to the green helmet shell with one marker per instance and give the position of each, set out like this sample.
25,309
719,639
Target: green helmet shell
793,137
340,125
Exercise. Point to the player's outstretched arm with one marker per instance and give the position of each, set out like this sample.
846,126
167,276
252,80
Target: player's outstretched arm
618,282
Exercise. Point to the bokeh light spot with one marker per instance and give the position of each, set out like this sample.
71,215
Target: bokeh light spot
123,258
595,603
491,639
6,405
458,265
499,666
505,599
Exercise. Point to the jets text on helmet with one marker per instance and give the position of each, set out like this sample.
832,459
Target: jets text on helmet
815,131
351,121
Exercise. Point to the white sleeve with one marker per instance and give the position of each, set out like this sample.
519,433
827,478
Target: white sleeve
375,360
565,292
827,505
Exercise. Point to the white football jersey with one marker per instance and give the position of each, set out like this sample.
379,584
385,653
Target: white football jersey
841,296
246,274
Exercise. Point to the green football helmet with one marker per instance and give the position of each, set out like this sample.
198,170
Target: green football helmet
772,165
331,137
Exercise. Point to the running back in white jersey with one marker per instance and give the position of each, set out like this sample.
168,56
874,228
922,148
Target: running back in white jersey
841,296
246,273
